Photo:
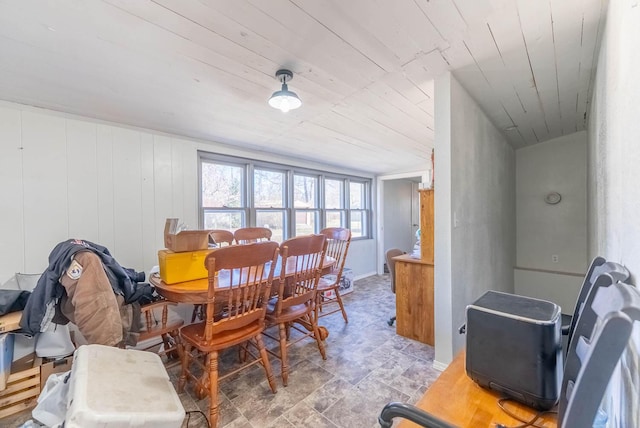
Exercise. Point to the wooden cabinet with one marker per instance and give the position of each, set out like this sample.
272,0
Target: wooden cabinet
414,281
414,299
426,225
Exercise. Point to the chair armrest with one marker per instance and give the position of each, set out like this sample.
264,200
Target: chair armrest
157,304
411,413
566,324
152,324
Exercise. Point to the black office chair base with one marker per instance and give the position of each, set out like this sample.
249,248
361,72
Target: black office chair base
391,321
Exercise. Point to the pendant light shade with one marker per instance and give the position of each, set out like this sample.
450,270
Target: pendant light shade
284,99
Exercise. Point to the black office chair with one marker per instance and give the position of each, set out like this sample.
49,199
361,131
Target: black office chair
391,265
598,267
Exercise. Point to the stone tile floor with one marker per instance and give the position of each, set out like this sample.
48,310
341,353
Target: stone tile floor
367,366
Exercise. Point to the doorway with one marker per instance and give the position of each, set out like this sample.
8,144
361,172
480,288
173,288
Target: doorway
399,213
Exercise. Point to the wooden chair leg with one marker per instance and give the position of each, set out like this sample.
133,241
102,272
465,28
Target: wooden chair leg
344,313
243,351
213,388
288,329
316,310
316,334
265,363
175,336
283,353
185,353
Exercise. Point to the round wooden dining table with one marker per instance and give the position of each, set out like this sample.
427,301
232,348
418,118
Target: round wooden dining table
196,291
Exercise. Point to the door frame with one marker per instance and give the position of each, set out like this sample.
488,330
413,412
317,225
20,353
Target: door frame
424,174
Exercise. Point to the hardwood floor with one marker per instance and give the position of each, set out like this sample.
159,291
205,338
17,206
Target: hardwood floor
367,366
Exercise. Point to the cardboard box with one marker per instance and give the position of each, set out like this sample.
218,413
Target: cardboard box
50,367
23,386
10,321
184,266
346,283
186,240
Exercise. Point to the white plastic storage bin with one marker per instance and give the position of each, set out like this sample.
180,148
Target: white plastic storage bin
121,388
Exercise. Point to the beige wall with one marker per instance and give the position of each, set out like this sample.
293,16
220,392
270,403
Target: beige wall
545,231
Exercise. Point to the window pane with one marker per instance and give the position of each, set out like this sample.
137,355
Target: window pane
357,224
221,185
305,222
333,193
356,195
334,219
304,191
274,220
230,220
268,188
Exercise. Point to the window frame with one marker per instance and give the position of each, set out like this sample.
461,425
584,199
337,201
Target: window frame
243,208
290,171
317,226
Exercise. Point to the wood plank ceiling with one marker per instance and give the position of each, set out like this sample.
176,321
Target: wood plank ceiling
364,69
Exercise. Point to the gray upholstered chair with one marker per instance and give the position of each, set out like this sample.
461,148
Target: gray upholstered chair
391,265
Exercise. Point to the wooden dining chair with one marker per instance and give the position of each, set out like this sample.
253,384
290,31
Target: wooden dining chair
247,235
338,240
240,278
221,237
159,321
294,306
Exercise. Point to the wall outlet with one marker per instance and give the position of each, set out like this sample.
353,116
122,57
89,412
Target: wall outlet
554,258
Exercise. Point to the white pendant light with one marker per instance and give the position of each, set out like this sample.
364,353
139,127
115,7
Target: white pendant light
284,100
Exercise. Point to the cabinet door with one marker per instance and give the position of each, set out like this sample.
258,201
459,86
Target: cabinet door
414,301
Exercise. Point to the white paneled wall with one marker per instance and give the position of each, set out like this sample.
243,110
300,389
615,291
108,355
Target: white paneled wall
63,178
12,245
44,185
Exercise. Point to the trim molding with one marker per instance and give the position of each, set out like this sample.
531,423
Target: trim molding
364,275
439,366
554,272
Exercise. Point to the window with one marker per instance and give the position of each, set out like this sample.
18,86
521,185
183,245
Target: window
222,190
357,204
269,201
335,214
305,204
236,192
347,204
